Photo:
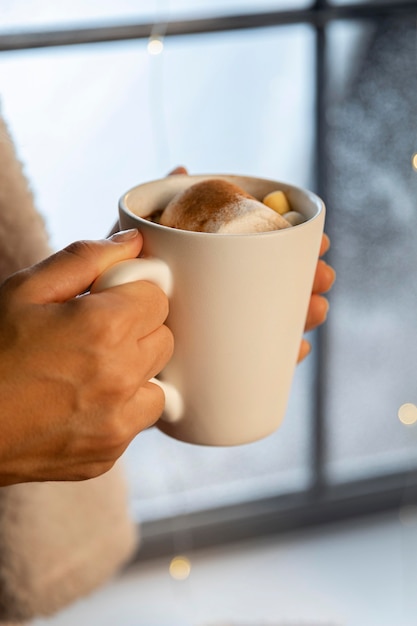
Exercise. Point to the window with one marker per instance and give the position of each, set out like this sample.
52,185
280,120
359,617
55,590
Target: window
372,190
321,95
40,14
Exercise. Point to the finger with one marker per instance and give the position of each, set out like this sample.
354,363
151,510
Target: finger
146,408
317,312
69,272
138,307
140,412
178,170
305,349
156,350
325,244
324,277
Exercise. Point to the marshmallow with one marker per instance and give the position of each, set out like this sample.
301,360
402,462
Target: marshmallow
277,200
294,218
218,206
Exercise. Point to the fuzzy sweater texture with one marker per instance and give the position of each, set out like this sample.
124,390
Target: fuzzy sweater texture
58,541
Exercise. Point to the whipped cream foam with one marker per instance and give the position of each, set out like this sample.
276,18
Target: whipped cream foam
218,206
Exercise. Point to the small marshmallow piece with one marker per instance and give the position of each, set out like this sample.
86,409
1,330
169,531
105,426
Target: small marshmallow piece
294,218
277,200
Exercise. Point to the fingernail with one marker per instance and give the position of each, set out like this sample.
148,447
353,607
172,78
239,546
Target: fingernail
124,235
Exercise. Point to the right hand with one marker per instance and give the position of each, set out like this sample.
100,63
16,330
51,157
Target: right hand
74,371
318,305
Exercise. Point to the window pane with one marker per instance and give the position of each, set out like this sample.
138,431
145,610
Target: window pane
101,119
28,14
92,121
372,361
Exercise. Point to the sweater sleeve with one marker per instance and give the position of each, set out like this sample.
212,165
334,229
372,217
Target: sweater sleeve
23,235
58,541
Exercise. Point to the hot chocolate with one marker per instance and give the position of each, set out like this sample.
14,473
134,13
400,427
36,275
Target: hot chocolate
219,206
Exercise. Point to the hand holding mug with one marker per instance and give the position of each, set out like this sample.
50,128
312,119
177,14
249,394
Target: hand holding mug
74,369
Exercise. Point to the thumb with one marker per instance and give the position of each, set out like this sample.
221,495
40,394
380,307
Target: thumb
71,271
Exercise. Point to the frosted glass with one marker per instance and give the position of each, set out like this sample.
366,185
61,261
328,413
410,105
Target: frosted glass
92,121
372,358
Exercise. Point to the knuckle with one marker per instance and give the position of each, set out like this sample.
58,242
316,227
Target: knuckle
100,325
92,470
86,252
107,329
121,383
121,435
157,301
81,249
116,434
109,388
14,282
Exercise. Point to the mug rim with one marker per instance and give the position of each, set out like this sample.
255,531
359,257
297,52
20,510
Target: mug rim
278,186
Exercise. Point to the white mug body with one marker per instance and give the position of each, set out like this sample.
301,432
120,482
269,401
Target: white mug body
237,311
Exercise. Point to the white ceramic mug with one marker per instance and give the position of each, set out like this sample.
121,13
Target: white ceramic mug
238,305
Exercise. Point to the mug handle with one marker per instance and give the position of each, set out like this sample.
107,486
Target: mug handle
157,272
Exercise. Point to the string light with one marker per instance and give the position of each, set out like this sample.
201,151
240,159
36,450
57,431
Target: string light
414,161
180,568
407,414
155,45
